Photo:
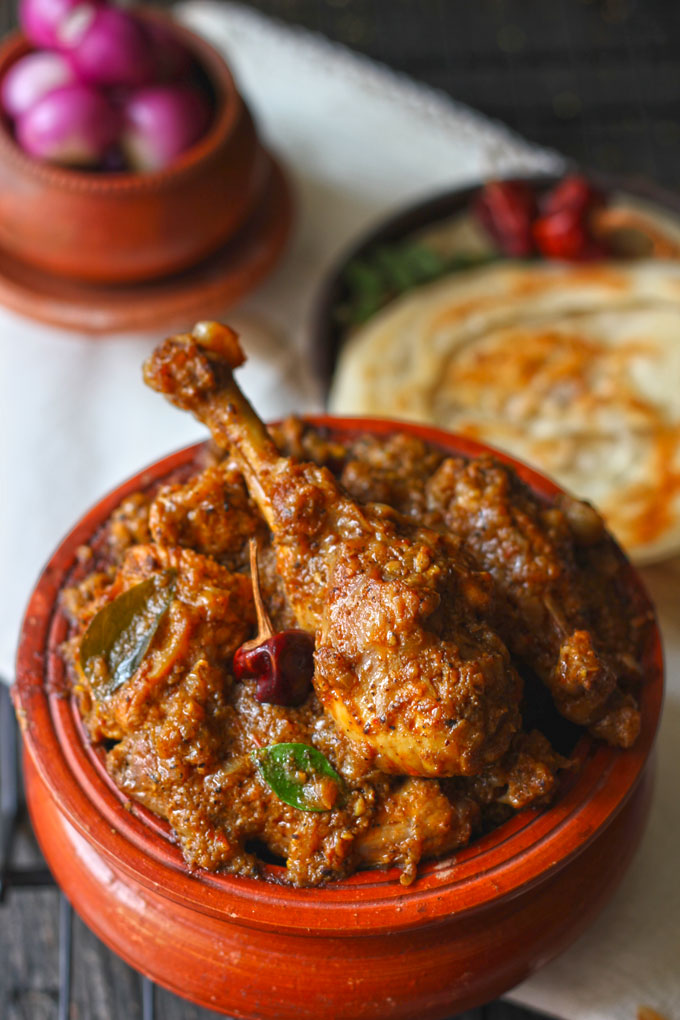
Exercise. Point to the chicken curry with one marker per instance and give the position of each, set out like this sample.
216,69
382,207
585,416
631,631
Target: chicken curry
338,655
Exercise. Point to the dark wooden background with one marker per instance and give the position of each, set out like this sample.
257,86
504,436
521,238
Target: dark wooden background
596,79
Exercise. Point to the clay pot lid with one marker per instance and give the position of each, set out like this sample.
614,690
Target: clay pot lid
209,288
518,854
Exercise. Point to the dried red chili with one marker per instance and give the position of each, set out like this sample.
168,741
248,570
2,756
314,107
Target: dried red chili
506,210
509,212
563,231
566,235
572,192
282,662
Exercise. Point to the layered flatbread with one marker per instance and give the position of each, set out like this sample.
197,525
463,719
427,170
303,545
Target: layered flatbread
572,368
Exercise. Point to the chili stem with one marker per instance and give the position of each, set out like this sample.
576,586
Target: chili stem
264,623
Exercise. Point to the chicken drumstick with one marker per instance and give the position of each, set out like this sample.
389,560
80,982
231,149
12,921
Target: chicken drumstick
404,663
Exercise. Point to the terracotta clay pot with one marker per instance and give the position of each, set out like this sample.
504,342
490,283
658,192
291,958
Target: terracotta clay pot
120,227
469,927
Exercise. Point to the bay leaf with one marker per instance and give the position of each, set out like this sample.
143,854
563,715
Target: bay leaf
121,632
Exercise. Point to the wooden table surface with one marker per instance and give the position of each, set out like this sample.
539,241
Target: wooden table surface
596,79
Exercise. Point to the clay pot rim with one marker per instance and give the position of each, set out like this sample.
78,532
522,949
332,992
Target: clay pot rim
514,857
228,106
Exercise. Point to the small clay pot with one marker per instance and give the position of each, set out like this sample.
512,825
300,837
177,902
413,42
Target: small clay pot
128,227
469,928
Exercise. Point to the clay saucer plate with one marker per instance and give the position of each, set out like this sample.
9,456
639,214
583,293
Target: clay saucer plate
204,290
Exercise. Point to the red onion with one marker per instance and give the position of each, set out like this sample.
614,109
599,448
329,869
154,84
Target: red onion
52,23
73,125
30,78
172,60
161,122
114,49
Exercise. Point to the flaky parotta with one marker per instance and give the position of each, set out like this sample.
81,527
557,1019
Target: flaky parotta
572,368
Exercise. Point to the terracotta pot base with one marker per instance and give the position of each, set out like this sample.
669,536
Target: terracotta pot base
434,972
468,929
203,291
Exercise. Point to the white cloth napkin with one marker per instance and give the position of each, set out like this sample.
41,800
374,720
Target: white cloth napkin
358,141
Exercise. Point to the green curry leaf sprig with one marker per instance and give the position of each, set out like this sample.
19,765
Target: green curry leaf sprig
389,270
300,776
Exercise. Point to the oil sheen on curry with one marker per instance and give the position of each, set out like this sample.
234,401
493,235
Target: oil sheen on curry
336,656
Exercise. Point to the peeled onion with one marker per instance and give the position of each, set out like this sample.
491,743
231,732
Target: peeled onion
112,92
30,78
114,49
74,125
52,23
161,122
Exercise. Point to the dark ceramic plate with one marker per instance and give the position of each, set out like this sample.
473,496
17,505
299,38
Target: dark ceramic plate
328,333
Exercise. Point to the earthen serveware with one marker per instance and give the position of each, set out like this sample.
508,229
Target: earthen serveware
119,227
469,928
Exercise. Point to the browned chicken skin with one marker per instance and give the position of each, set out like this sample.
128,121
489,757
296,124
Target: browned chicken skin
404,663
554,616
184,732
210,615
417,572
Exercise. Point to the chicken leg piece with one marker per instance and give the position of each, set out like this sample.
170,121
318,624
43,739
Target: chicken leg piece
404,663
579,630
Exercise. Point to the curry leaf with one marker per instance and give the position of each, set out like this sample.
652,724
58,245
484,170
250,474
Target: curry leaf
388,270
300,776
121,632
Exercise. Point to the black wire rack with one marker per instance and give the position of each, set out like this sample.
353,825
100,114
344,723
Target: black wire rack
15,877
